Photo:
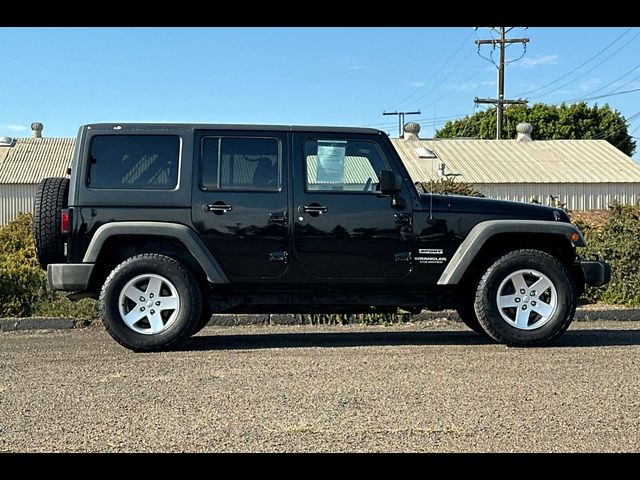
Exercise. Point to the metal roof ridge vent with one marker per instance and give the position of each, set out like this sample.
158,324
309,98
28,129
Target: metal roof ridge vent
7,141
411,131
524,132
36,129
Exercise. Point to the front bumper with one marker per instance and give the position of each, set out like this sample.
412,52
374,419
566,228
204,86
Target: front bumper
69,277
596,274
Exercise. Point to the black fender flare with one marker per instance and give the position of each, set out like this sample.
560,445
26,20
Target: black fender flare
185,235
483,231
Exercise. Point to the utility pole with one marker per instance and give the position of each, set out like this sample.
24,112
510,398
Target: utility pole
401,120
500,102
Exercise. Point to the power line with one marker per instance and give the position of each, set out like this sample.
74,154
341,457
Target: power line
591,69
401,120
625,84
445,78
607,133
578,67
500,102
611,83
597,97
449,58
451,91
629,135
426,119
475,107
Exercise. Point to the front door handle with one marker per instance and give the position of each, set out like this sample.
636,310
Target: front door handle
314,208
218,208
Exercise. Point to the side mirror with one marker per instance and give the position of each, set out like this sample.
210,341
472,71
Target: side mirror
390,183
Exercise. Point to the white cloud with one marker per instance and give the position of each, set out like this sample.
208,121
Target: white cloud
589,84
356,67
466,86
469,85
537,61
14,127
417,83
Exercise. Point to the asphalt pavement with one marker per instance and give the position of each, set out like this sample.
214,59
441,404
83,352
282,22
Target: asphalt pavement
429,386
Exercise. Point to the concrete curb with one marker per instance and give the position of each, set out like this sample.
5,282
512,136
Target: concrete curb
583,314
42,323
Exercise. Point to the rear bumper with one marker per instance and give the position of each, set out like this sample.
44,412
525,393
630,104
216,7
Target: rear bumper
596,274
69,277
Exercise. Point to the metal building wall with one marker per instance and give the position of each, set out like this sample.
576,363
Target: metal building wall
15,198
586,196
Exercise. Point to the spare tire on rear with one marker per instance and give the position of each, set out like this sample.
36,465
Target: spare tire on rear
51,197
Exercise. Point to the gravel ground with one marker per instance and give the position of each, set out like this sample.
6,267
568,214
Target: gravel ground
432,386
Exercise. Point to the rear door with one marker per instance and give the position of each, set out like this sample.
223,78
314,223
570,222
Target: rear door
240,200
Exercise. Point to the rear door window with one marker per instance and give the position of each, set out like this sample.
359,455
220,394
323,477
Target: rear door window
242,163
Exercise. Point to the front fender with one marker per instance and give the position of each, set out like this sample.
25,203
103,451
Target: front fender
483,231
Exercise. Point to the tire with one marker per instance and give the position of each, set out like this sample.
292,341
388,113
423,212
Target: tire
148,329
500,304
468,316
51,197
205,316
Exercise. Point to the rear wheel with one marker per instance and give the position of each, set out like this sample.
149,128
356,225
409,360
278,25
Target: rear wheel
51,197
205,316
150,302
526,297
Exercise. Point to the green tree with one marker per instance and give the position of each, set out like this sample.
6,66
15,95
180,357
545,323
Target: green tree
550,122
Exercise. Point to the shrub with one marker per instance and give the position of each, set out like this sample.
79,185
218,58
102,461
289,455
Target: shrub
450,186
617,240
58,305
22,281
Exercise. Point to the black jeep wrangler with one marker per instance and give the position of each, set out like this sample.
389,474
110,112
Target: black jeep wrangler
167,224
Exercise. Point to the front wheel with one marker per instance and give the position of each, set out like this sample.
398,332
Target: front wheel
150,302
468,316
526,297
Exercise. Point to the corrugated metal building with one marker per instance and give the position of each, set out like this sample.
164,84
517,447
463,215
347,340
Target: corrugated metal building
23,164
583,174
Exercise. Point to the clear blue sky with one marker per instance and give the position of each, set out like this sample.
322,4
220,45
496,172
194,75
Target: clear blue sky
65,77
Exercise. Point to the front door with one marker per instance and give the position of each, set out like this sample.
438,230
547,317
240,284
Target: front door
240,200
343,227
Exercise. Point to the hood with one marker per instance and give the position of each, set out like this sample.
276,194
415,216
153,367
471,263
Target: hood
491,207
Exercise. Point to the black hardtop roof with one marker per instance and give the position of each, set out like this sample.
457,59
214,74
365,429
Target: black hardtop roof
227,126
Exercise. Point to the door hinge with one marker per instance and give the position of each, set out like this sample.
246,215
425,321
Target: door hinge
404,257
281,257
403,218
280,218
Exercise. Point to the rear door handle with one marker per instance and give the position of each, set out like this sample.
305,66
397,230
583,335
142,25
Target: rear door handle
313,208
218,208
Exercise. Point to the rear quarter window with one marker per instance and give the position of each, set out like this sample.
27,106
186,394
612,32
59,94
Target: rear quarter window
134,162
